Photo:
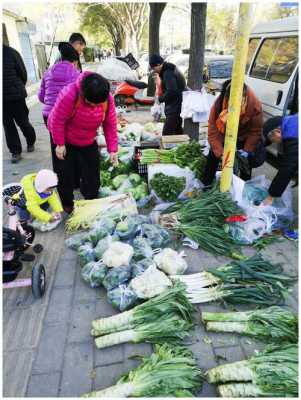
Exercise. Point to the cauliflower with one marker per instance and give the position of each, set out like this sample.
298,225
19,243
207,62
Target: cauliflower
118,254
171,262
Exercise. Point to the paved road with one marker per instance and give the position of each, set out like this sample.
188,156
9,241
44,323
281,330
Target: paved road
47,347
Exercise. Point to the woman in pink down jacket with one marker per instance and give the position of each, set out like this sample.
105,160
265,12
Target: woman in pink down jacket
81,108
54,80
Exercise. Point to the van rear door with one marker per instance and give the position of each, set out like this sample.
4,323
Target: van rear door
272,71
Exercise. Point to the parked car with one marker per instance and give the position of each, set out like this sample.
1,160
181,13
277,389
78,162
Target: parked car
272,69
217,70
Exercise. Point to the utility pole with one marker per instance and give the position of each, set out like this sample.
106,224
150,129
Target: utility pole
246,11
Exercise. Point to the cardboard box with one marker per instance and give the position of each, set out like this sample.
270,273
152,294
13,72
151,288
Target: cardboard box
171,141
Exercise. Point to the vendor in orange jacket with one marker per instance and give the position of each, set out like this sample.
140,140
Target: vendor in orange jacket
37,196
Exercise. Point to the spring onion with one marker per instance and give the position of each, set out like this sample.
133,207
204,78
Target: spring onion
254,281
270,373
168,372
271,324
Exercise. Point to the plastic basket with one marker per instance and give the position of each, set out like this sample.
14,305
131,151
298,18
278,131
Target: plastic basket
142,169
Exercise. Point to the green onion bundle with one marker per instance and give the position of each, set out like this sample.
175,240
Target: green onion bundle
270,373
167,317
154,156
168,372
273,324
251,281
202,220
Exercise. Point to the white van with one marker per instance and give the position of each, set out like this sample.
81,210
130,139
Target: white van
272,65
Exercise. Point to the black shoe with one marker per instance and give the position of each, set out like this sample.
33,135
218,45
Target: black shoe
15,158
30,149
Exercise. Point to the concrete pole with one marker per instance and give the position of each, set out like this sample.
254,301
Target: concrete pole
246,11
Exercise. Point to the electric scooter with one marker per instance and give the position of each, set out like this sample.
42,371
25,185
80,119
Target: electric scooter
132,93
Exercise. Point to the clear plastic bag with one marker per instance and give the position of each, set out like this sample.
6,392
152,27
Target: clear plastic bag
86,254
142,248
103,245
45,226
126,229
156,236
138,267
77,240
122,297
118,254
117,276
107,225
171,262
94,273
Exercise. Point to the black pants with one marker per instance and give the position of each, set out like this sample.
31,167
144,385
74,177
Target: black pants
212,166
16,112
55,159
172,125
88,160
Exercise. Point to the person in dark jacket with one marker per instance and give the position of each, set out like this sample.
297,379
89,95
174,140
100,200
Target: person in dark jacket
288,136
78,42
173,85
15,110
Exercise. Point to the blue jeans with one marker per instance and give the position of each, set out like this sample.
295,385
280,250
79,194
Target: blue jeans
24,214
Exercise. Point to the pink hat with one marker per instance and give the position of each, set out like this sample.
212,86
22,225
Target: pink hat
45,179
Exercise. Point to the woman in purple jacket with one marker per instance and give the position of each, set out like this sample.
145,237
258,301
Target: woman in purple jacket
54,80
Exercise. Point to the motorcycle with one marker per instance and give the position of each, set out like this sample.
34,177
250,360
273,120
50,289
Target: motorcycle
132,93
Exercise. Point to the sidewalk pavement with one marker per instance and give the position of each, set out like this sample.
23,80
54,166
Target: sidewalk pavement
48,350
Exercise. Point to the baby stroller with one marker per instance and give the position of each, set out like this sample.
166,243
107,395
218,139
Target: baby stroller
17,238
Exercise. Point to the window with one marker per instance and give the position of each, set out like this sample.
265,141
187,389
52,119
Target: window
276,59
253,44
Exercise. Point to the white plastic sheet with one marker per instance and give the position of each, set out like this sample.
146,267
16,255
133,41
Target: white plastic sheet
196,105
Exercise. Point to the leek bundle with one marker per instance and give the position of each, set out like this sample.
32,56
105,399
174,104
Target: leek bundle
86,212
270,324
168,372
270,373
251,281
164,317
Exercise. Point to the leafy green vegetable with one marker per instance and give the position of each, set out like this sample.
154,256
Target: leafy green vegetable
118,180
135,179
271,324
169,372
167,187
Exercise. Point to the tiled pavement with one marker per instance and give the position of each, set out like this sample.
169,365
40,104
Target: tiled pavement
48,350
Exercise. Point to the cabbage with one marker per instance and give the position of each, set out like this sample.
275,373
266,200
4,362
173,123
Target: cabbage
122,297
94,273
118,180
135,179
117,276
169,261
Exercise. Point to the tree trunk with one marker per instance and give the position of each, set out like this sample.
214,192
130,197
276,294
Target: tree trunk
196,58
156,10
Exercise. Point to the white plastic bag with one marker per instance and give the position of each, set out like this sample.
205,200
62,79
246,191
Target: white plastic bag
118,254
171,262
45,226
150,283
172,170
195,105
157,111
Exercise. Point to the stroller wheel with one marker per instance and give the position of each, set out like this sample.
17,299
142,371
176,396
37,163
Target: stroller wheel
38,248
38,281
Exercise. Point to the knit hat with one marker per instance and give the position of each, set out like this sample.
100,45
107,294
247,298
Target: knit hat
155,60
68,52
44,180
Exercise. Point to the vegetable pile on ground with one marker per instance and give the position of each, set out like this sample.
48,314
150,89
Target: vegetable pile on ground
251,281
202,220
167,188
171,371
185,155
270,373
124,183
119,255
272,324
164,318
